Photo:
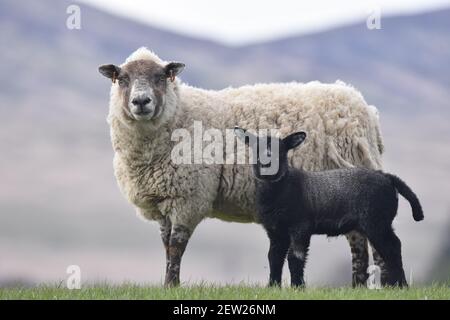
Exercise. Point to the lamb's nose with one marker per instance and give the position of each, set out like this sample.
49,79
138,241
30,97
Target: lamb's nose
141,101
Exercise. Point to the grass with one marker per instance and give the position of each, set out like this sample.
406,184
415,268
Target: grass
232,292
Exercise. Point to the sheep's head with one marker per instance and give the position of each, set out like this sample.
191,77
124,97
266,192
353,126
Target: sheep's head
270,153
142,86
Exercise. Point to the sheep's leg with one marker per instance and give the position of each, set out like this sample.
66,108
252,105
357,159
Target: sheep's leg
360,258
378,260
166,229
279,245
298,253
179,239
373,163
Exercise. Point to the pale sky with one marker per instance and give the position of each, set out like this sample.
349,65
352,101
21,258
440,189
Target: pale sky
245,21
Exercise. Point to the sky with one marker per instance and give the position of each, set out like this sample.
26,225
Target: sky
245,21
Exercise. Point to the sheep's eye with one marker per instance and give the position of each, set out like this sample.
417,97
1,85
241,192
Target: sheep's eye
162,79
123,82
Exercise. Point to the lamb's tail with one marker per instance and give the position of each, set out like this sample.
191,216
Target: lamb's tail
409,195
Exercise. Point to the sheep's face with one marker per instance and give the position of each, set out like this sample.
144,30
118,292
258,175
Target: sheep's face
142,86
271,153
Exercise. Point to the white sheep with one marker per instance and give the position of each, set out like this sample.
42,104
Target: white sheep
148,103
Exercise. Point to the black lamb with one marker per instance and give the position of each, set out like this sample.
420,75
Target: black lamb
293,205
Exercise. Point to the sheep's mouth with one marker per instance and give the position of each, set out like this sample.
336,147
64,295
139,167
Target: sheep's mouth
143,113
143,116
147,114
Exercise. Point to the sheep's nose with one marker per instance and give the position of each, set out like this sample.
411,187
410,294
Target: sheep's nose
141,101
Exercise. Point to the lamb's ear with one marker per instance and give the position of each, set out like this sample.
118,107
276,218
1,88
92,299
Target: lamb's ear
172,69
244,135
295,139
110,71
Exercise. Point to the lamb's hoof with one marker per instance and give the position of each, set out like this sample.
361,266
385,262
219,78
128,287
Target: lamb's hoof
274,284
402,284
298,286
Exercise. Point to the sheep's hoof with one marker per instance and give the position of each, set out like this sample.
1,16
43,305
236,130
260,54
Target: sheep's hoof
171,285
171,281
359,279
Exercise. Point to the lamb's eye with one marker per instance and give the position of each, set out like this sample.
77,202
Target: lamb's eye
162,79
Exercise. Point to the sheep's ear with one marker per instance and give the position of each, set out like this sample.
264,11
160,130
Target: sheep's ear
295,139
172,69
110,71
245,136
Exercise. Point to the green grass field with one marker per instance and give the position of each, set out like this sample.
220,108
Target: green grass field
208,291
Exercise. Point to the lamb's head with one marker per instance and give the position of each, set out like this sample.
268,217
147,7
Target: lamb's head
144,86
270,153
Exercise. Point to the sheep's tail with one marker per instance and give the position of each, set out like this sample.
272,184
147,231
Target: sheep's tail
409,195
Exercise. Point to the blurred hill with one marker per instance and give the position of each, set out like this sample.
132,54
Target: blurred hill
441,268
59,203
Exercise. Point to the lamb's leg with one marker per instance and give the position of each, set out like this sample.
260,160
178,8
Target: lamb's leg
179,239
165,226
360,258
298,253
294,267
388,246
279,245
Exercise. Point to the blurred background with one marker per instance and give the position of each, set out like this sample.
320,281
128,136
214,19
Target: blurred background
59,202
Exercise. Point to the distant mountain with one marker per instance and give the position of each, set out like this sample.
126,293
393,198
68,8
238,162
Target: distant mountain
402,67
385,64
57,189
